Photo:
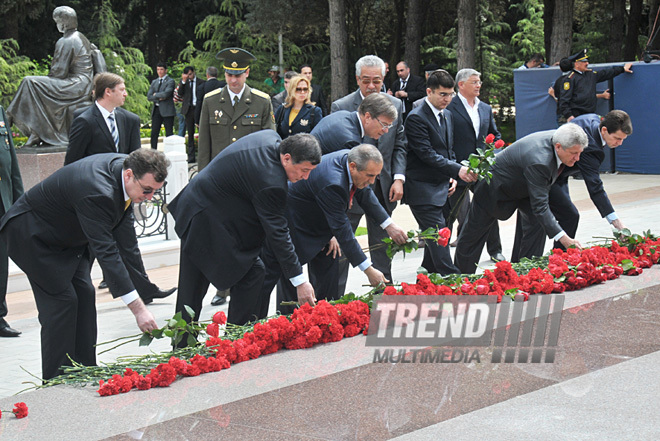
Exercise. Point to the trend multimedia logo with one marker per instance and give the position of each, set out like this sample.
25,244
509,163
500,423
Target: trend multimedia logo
451,329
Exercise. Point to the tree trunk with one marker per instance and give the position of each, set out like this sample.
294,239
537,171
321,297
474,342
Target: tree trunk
414,22
616,30
338,50
653,11
548,12
631,44
152,38
562,30
466,44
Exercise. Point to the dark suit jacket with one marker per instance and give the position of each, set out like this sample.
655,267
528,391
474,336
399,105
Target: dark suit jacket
90,135
465,140
163,95
224,215
185,93
317,209
308,117
338,131
50,227
523,174
205,87
416,88
431,160
318,98
589,164
392,144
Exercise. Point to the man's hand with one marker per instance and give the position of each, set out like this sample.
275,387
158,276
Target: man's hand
397,233
184,77
333,248
570,118
467,176
401,94
145,319
551,92
306,294
627,68
396,190
618,224
569,242
452,186
605,95
389,92
375,277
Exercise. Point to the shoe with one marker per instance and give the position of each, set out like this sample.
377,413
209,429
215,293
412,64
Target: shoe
218,300
160,294
497,257
7,331
103,285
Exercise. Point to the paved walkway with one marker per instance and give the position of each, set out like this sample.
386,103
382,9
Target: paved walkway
604,386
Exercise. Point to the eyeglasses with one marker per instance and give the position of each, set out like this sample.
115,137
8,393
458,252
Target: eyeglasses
145,191
302,89
367,80
383,125
475,83
444,94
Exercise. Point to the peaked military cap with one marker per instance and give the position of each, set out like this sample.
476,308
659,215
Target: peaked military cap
580,56
235,60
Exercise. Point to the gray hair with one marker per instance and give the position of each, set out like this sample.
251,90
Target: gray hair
369,61
570,135
290,74
362,154
302,147
212,71
378,104
464,74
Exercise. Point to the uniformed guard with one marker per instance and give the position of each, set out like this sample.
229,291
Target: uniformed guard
230,113
233,111
578,91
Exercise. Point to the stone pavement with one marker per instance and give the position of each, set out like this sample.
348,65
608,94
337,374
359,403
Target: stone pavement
603,385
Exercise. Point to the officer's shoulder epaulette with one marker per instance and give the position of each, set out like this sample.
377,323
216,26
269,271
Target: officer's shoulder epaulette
257,92
570,75
213,92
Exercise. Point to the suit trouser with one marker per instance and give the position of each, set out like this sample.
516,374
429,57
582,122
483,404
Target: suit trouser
158,120
437,259
493,242
194,283
564,211
190,128
68,322
4,274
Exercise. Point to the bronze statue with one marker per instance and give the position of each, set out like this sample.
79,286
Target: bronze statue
43,106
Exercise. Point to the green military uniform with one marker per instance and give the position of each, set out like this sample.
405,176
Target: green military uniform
220,123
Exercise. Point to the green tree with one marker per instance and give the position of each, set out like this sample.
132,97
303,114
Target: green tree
529,38
13,68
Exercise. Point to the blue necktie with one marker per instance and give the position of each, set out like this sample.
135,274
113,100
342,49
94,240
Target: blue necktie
113,131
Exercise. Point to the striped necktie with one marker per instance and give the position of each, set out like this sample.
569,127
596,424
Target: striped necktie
113,130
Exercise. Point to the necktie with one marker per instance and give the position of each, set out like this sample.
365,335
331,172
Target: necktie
113,131
443,126
403,84
128,204
194,97
160,83
235,100
350,196
561,169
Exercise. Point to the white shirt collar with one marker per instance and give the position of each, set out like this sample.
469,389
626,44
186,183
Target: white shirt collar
104,111
123,186
361,126
559,163
232,94
465,101
435,110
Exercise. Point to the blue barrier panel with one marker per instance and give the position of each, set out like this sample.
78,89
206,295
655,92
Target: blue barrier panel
638,94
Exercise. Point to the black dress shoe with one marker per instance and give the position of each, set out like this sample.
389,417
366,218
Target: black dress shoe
103,285
7,331
160,294
497,257
218,300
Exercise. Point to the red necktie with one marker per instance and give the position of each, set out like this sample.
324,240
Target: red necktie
561,169
350,196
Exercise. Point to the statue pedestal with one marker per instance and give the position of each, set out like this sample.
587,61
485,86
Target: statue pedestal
37,163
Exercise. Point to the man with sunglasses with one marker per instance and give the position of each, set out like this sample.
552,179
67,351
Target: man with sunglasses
431,164
48,232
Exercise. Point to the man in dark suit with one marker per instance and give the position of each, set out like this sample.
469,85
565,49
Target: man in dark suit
318,97
614,128
432,171
11,188
189,91
522,176
161,93
107,128
212,83
317,213
408,87
388,187
473,121
228,211
48,232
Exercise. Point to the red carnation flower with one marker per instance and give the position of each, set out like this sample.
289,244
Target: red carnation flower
20,410
213,329
499,144
490,138
220,318
443,237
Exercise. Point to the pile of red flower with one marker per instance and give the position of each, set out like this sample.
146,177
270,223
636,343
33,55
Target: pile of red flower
20,410
307,327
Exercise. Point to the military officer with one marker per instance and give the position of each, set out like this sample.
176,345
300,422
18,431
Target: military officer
233,111
230,113
578,91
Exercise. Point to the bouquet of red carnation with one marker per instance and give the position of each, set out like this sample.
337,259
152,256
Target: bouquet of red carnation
414,237
483,160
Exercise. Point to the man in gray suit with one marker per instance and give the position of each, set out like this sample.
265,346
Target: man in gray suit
369,74
522,177
473,121
161,93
